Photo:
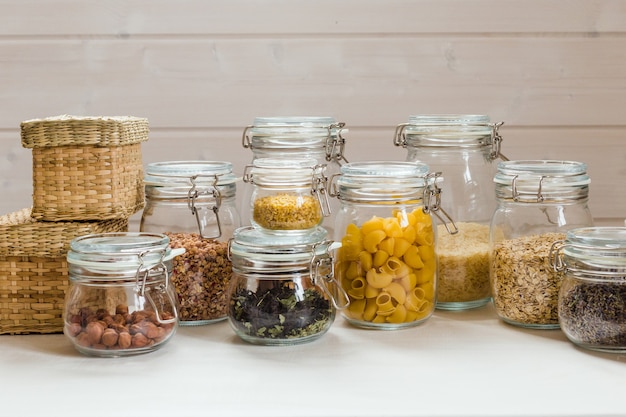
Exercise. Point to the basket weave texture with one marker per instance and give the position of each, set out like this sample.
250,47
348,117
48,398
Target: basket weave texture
34,272
86,168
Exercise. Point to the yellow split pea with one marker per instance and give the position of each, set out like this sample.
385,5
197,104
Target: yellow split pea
387,268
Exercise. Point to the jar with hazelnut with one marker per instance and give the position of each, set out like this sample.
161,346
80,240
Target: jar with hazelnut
120,301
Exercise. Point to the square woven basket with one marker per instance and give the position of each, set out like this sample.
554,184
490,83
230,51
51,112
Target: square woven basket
86,168
34,272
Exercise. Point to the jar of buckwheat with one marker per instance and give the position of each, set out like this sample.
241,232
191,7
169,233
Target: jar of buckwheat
539,201
193,203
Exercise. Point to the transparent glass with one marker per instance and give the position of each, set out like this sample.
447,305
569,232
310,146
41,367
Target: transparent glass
286,197
464,148
387,263
194,204
538,202
592,298
282,287
318,138
120,301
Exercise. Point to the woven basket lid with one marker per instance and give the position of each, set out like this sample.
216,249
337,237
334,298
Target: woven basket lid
66,130
22,235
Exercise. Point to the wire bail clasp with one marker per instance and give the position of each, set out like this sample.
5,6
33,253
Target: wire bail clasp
322,269
141,280
432,202
496,142
192,196
319,188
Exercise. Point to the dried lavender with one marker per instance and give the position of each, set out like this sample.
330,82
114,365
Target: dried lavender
594,313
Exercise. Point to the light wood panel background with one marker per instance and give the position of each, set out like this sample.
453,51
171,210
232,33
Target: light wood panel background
201,70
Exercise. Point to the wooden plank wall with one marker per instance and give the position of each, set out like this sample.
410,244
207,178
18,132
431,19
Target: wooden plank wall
554,71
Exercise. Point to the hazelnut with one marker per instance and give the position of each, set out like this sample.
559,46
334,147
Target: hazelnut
150,330
109,337
139,341
124,340
73,329
82,339
94,332
121,309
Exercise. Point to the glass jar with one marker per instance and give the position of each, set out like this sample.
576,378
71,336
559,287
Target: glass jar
387,263
194,204
283,289
289,196
120,301
319,138
538,203
464,149
592,298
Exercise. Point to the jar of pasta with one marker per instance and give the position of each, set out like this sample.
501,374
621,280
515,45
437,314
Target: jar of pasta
387,263
289,196
283,290
539,201
320,138
465,148
120,300
193,202
592,298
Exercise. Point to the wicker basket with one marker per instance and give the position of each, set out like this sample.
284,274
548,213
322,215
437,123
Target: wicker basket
86,168
33,269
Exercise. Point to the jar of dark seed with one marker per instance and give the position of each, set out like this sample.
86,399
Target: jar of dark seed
539,201
592,298
193,202
320,138
387,262
289,196
283,290
120,300
465,148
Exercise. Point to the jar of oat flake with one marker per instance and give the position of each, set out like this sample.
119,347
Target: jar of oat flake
465,148
539,201
592,298
387,262
193,202
318,137
289,196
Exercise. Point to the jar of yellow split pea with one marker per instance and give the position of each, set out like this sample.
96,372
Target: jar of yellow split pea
387,262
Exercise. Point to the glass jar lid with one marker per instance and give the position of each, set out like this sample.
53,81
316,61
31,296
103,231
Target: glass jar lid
533,181
447,130
598,248
256,250
183,173
282,172
378,181
291,132
120,251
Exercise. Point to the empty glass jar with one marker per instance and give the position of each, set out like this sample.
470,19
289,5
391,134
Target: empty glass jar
120,300
283,289
465,149
193,203
592,298
539,201
387,261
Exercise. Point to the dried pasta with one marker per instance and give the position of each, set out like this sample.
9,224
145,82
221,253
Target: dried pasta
387,267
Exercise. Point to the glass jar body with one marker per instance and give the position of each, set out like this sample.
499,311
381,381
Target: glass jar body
280,292
289,138
387,263
525,287
201,275
464,149
113,309
592,298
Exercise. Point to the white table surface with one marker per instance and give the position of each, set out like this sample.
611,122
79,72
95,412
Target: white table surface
455,364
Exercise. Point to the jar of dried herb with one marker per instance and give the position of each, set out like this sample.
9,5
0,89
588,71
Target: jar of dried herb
289,196
387,262
120,300
592,298
283,290
320,138
193,202
539,201
465,148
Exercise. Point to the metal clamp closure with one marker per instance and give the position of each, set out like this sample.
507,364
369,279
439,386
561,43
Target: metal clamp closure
319,183
322,269
516,194
432,203
141,279
399,138
194,193
335,144
496,142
